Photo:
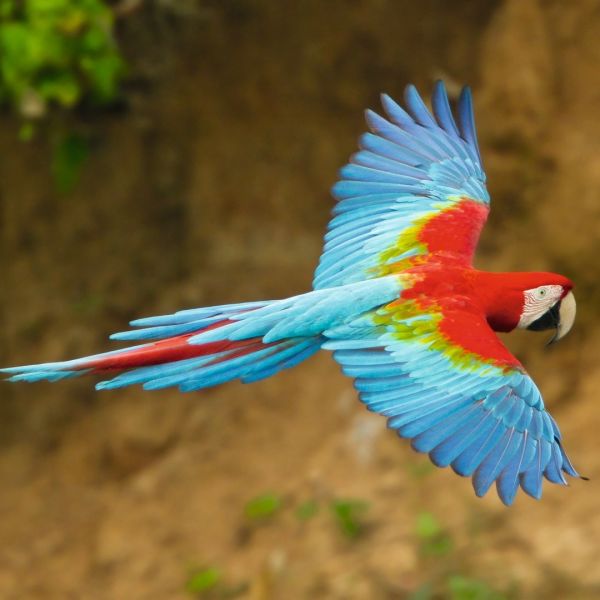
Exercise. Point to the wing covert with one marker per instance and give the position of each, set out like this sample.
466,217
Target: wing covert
479,413
416,188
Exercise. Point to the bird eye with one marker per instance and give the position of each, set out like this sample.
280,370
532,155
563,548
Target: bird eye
541,293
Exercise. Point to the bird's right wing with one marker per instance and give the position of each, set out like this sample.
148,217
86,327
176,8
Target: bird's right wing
445,381
416,188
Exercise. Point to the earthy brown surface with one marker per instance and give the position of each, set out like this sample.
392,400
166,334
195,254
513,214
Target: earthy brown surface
212,187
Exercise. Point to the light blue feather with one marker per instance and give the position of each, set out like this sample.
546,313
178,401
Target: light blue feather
477,420
408,155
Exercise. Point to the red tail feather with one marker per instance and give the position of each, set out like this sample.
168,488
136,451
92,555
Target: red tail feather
169,350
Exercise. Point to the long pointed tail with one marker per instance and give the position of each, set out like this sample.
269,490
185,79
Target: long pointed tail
191,349
199,348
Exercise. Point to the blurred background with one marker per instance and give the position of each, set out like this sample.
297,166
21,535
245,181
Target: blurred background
166,154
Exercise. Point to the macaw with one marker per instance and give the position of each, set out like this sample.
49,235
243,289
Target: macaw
397,300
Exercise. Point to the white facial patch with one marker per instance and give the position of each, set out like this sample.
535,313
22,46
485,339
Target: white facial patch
539,301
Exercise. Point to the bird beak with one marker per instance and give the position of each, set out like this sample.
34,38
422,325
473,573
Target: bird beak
566,317
560,317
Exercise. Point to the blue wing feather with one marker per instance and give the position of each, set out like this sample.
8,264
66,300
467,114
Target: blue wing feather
413,163
442,110
417,107
483,421
466,122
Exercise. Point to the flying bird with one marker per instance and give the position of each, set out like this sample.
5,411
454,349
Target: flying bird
397,300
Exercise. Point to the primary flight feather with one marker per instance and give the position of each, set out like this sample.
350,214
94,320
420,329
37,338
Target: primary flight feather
397,300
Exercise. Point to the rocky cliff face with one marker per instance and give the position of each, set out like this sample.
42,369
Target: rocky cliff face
211,186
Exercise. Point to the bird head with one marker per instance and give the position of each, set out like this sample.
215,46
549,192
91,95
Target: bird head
549,306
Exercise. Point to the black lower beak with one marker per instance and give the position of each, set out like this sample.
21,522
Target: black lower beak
549,320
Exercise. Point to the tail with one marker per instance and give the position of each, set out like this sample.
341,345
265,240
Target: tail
191,349
200,348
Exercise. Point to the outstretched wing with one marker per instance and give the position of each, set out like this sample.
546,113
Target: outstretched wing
415,188
445,380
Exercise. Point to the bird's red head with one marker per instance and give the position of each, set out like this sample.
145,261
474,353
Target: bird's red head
534,301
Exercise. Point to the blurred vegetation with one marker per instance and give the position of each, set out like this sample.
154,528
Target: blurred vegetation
349,515
208,583
57,53
441,561
445,572
263,507
71,151
433,539
203,580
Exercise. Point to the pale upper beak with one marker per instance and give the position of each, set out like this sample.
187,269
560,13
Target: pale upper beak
566,313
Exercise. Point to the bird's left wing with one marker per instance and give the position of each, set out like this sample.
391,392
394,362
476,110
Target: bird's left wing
416,188
445,380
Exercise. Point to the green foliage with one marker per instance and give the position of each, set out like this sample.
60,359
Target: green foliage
70,153
463,588
209,583
349,515
443,581
457,587
57,53
203,580
434,540
27,131
438,559
424,592
263,507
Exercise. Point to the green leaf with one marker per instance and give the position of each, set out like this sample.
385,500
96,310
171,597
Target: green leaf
203,580
262,507
62,88
103,74
463,588
45,12
427,526
439,546
349,516
58,50
435,541
27,131
6,8
93,41
72,21
70,154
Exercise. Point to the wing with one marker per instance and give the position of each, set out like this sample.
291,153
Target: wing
415,188
445,381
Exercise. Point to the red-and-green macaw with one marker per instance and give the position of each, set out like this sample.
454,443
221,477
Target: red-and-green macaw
397,300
